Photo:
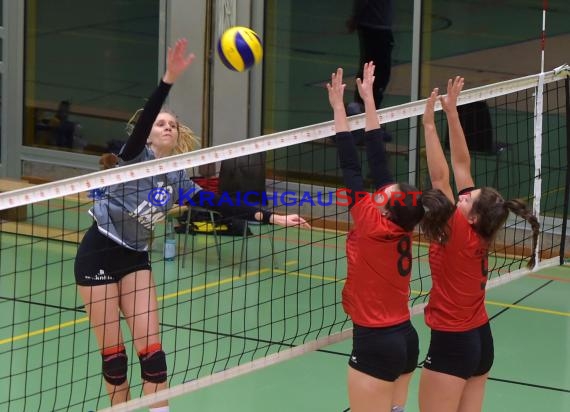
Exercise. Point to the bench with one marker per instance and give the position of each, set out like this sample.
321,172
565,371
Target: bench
78,110
53,124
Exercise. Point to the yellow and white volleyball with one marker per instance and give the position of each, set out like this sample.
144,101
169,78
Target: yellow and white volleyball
240,48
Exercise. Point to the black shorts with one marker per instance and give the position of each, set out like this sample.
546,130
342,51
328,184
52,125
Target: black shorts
385,353
101,261
461,354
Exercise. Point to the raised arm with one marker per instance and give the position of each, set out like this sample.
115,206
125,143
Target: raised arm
176,63
336,100
214,201
437,164
460,159
364,86
347,154
375,150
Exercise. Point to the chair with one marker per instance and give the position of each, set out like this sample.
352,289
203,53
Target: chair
245,174
237,175
212,216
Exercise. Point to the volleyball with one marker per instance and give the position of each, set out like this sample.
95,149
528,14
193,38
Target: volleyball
240,48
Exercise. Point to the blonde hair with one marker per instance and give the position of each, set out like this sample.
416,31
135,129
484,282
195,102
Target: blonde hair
187,139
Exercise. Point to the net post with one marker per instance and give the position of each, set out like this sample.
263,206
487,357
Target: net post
567,180
414,133
538,108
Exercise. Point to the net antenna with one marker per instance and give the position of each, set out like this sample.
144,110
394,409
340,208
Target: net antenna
543,34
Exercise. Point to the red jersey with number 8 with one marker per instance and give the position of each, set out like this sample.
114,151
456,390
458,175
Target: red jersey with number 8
379,255
459,277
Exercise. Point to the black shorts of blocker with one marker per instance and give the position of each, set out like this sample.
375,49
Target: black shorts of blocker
101,261
385,353
461,354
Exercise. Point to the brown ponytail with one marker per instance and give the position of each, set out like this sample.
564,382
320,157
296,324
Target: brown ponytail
492,212
108,160
438,211
519,208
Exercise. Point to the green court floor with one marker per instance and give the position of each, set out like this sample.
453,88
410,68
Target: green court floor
214,317
530,318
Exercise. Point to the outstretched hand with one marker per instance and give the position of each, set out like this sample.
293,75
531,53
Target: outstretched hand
290,220
365,85
336,90
454,87
428,117
177,61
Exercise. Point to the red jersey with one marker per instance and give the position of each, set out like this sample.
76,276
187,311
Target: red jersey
459,276
379,268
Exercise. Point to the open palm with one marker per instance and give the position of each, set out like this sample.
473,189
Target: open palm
176,59
454,87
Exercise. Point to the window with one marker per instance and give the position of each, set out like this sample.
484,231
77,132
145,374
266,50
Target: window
89,66
304,42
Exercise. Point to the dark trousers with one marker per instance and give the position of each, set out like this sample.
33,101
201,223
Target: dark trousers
376,45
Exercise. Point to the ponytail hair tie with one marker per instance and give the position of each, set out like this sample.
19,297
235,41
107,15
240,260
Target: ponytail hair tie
466,190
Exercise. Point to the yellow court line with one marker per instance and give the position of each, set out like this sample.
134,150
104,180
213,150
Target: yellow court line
527,308
291,262
418,292
211,284
259,272
160,298
45,330
308,276
421,293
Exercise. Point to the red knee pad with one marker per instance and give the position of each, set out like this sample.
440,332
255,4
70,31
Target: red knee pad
153,364
115,365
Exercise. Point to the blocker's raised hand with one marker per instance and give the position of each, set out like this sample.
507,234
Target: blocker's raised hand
428,117
454,87
365,84
336,89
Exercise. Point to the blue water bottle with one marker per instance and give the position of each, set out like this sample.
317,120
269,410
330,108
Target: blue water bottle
169,241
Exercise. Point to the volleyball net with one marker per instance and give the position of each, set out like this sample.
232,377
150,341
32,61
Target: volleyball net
238,296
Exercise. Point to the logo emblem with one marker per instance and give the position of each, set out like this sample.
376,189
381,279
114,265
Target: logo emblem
158,196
